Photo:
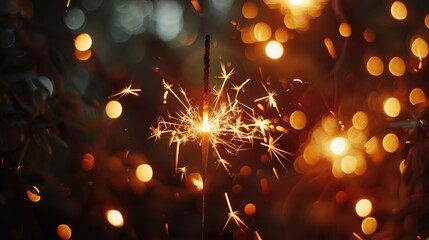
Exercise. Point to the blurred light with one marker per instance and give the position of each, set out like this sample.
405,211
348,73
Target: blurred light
274,49
369,225
250,209
83,42
375,66
338,146
390,142
356,136
245,170
369,35
398,10
341,197
169,19
7,38
360,120
64,231
330,46
363,207
34,195
419,47
249,10
298,120
113,109
330,125
397,66
264,186
83,55
392,107
144,172
195,181
87,162
91,5
196,5
345,29
222,5
402,166
427,20
296,2
371,146
74,19
114,217
417,96
262,32
348,164
281,35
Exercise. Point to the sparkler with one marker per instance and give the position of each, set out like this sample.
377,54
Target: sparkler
226,125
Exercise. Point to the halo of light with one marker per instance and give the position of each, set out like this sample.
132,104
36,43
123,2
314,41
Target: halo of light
369,225
114,217
392,107
74,19
338,146
390,142
397,66
298,120
345,30
83,42
363,207
375,66
144,172
417,96
398,10
64,232
274,49
113,109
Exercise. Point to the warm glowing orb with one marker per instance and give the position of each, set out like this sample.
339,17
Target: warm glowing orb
144,172
250,209
369,225
34,195
345,29
298,120
113,109
419,47
390,142
262,31
64,231
392,107
360,120
296,2
363,207
398,10
417,96
114,217
83,42
249,10
338,145
397,66
274,49
348,164
375,66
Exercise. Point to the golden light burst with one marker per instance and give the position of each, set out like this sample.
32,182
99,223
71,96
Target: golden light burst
234,126
125,91
232,215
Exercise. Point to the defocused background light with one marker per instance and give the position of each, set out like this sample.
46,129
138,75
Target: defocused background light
338,145
114,217
398,10
397,66
363,207
144,172
419,47
274,49
375,66
345,29
392,107
249,10
369,225
417,96
74,19
298,120
390,142
83,42
64,232
113,109
360,120
34,194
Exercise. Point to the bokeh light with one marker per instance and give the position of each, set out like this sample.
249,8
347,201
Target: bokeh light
427,20
398,10
417,96
114,217
375,66
144,172
348,164
34,194
397,66
64,232
249,10
363,207
392,107
87,162
83,55
360,120
298,120
338,145
369,225
83,42
282,35
390,142
250,209
113,109
369,35
74,19
419,47
345,29
274,49
262,32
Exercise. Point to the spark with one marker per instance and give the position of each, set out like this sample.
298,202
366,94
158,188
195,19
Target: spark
357,236
270,98
330,47
127,90
274,150
68,3
257,235
420,61
276,174
232,215
233,125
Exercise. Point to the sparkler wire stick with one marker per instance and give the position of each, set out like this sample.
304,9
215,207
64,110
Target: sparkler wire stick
205,128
